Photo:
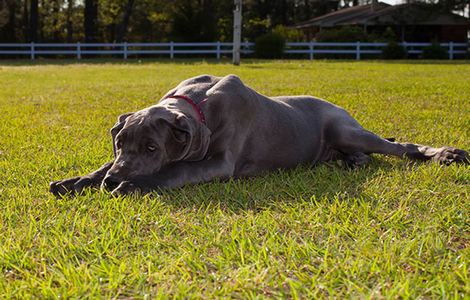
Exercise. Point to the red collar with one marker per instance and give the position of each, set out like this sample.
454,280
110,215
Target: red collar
196,107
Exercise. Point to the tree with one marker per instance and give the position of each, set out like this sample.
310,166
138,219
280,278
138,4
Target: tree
122,27
91,20
148,20
33,20
25,22
151,20
69,23
306,9
56,4
454,5
8,22
194,21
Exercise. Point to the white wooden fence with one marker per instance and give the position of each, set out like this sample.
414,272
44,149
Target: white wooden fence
359,49
171,49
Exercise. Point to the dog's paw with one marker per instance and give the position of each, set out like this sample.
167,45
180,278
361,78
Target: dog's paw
124,188
62,187
450,155
70,186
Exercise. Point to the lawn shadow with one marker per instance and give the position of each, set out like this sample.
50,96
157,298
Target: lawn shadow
426,62
302,184
250,63
111,61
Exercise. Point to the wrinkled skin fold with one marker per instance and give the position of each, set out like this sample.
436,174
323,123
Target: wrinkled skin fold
245,134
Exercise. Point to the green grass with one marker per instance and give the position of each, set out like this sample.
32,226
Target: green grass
394,229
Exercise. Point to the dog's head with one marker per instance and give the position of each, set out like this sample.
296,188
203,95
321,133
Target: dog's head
149,139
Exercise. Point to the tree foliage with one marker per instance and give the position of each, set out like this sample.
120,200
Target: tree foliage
270,45
158,20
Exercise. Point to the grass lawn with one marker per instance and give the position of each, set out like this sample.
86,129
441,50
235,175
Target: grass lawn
394,229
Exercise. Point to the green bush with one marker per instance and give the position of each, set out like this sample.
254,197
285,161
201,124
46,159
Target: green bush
344,34
289,34
253,28
389,35
270,45
393,51
435,51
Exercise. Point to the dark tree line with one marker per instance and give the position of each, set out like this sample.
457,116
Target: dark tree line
158,20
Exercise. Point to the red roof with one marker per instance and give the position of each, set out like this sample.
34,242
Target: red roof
385,14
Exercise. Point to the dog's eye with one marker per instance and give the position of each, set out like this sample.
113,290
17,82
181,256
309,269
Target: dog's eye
151,148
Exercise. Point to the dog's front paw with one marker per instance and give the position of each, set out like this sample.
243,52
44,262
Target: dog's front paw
124,188
70,186
449,155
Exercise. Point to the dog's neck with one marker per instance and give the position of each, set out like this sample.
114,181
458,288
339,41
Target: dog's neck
186,105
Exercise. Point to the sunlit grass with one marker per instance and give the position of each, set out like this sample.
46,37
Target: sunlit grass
394,229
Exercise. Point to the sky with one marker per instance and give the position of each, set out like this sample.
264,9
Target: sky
393,2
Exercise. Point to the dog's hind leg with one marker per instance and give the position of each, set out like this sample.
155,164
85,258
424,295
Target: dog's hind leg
352,139
355,160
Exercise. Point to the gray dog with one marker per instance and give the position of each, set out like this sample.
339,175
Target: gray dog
211,127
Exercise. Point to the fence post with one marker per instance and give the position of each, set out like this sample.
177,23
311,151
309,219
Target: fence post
125,50
404,45
172,54
358,50
79,51
33,55
311,50
218,49
451,50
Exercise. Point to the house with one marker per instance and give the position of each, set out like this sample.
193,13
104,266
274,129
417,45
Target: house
412,22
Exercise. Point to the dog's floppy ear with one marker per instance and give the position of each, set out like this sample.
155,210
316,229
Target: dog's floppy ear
188,139
199,140
117,127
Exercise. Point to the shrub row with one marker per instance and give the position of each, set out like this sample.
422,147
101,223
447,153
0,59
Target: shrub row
272,45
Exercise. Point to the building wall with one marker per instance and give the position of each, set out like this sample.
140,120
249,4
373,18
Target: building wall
454,34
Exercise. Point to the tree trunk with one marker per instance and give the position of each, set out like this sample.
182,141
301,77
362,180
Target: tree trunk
8,32
25,21
91,20
122,27
285,12
208,21
69,25
55,21
33,21
41,33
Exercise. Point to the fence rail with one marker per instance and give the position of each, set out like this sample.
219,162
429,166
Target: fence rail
171,49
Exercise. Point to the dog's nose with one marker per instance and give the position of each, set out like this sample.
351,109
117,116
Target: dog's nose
110,183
